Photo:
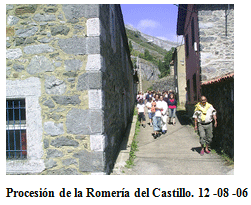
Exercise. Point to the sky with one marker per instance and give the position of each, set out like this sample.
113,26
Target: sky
158,20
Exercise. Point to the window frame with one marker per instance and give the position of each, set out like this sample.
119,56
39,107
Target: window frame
30,90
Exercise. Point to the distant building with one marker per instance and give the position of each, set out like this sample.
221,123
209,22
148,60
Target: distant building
179,62
208,31
70,88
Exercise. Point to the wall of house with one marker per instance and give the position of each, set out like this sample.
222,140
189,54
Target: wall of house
68,54
118,87
191,36
180,74
216,31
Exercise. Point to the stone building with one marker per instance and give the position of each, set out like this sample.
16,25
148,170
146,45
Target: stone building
208,31
69,88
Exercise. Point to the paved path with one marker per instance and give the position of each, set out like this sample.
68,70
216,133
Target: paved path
174,153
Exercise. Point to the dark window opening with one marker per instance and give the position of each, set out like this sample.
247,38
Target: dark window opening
16,146
188,90
187,45
194,87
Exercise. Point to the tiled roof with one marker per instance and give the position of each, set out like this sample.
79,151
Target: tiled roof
231,75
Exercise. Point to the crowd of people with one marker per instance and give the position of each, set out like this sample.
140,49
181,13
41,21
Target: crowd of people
161,108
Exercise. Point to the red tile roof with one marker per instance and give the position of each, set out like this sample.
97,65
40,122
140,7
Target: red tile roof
231,75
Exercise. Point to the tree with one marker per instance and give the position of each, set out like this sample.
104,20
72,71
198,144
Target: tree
147,55
164,67
130,46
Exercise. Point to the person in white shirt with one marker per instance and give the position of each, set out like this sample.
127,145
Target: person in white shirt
204,115
163,115
157,118
141,113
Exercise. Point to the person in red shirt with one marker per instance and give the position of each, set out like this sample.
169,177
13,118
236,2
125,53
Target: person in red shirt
172,106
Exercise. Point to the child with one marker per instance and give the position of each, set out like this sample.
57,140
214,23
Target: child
141,112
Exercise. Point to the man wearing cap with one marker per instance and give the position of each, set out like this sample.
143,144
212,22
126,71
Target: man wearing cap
204,114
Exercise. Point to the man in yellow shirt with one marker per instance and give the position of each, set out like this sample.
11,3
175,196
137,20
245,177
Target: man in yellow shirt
204,114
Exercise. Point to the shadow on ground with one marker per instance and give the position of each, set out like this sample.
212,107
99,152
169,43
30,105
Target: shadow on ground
183,117
197,149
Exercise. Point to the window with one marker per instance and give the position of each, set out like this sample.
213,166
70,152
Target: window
16,146
187,46
194,87
193,32
188,90
27,92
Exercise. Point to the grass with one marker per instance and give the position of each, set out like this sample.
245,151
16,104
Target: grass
134,145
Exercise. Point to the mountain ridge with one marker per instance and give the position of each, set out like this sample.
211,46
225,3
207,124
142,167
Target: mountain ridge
165,44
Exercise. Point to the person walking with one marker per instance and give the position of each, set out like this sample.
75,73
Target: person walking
157,118
163,115
150,113
204,114
172,107
141,113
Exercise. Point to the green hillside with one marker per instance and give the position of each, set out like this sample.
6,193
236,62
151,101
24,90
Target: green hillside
140,46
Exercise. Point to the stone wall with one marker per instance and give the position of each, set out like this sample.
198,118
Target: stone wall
221,96
216,31
85,76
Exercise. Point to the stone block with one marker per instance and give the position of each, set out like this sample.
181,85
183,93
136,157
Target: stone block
94,62
84,122
74,11
39,64
94,162
97,142
12,20
54,86
73,65
54,153
66,100
83,82
90,161
92,45
26,9
49,163
18,67
44,17
27,32
95,80
37,49
46,143
76,46
59,30
53,129
13,53
49,103
92,10
69,161
64,141
93,27
95,99
92,80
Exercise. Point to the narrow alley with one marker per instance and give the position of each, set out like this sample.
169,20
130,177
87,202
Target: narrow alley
175,153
